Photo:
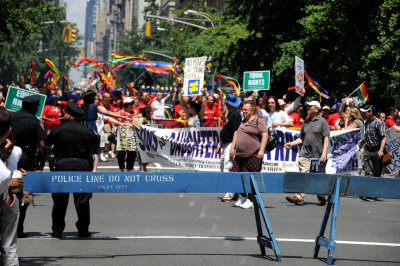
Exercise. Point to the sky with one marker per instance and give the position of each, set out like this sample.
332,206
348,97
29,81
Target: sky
76,12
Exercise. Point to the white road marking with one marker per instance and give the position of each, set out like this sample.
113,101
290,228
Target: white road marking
232,238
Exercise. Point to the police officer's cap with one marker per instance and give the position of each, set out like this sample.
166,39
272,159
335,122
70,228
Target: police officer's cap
74,109
31,99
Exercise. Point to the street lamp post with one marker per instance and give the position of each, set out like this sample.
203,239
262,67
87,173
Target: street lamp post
199,13
176,20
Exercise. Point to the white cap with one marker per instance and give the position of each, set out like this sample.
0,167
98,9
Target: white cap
128,100
315,103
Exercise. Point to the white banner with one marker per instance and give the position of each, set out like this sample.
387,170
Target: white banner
195,149
393,146
194,75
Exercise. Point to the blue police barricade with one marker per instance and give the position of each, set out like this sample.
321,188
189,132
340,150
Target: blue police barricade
334,186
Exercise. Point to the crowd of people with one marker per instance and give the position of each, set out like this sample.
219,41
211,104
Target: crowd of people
78,130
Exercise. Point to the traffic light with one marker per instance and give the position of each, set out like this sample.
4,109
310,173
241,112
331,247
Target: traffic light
148,29
72,35
65,34
82,52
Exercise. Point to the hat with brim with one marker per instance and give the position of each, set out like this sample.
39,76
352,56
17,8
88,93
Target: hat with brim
128,100
233,100
368,108
74,110
314,103
32,99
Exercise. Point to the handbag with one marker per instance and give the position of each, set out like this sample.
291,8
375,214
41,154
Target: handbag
272,139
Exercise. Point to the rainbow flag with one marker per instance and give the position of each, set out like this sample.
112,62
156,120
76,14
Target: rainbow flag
315,86
362,92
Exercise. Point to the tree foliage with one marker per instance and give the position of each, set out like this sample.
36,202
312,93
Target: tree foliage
25,37
342,42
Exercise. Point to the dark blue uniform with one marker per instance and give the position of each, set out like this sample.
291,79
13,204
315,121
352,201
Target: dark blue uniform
28,133
72,148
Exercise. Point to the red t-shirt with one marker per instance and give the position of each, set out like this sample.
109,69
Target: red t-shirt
332,119
176,110
124,113
136,110
296,119
389,122
110,108
143,105
209,115
54,113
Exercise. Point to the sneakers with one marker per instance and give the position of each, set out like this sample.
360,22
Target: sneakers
240,201
103,158
295,200
227,198
247,204
111,155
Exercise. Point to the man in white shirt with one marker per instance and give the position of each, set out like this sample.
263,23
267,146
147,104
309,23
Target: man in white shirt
158,105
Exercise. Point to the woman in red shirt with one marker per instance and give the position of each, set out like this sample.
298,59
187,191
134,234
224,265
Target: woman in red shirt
51,113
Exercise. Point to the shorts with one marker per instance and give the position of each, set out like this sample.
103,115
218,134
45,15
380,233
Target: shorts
104,139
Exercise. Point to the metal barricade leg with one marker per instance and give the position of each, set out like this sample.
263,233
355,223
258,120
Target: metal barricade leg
333,201
263,240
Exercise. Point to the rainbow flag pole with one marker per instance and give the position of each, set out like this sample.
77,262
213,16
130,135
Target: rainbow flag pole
362,92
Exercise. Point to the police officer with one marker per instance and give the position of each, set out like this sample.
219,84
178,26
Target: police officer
30,136
72,145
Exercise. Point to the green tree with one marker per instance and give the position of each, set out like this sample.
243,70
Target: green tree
25,37
18,19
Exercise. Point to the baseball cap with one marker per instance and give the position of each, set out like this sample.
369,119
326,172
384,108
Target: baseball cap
368,108
315,103
128,100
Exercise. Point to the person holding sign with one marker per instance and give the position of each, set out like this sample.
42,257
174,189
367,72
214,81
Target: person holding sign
275,117
248,147
195,112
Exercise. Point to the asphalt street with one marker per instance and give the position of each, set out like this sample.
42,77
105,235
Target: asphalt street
199,229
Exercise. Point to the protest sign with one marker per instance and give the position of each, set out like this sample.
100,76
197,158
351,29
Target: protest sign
393,147
299,74
126,139
14,100
256,80
195,149
194,75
